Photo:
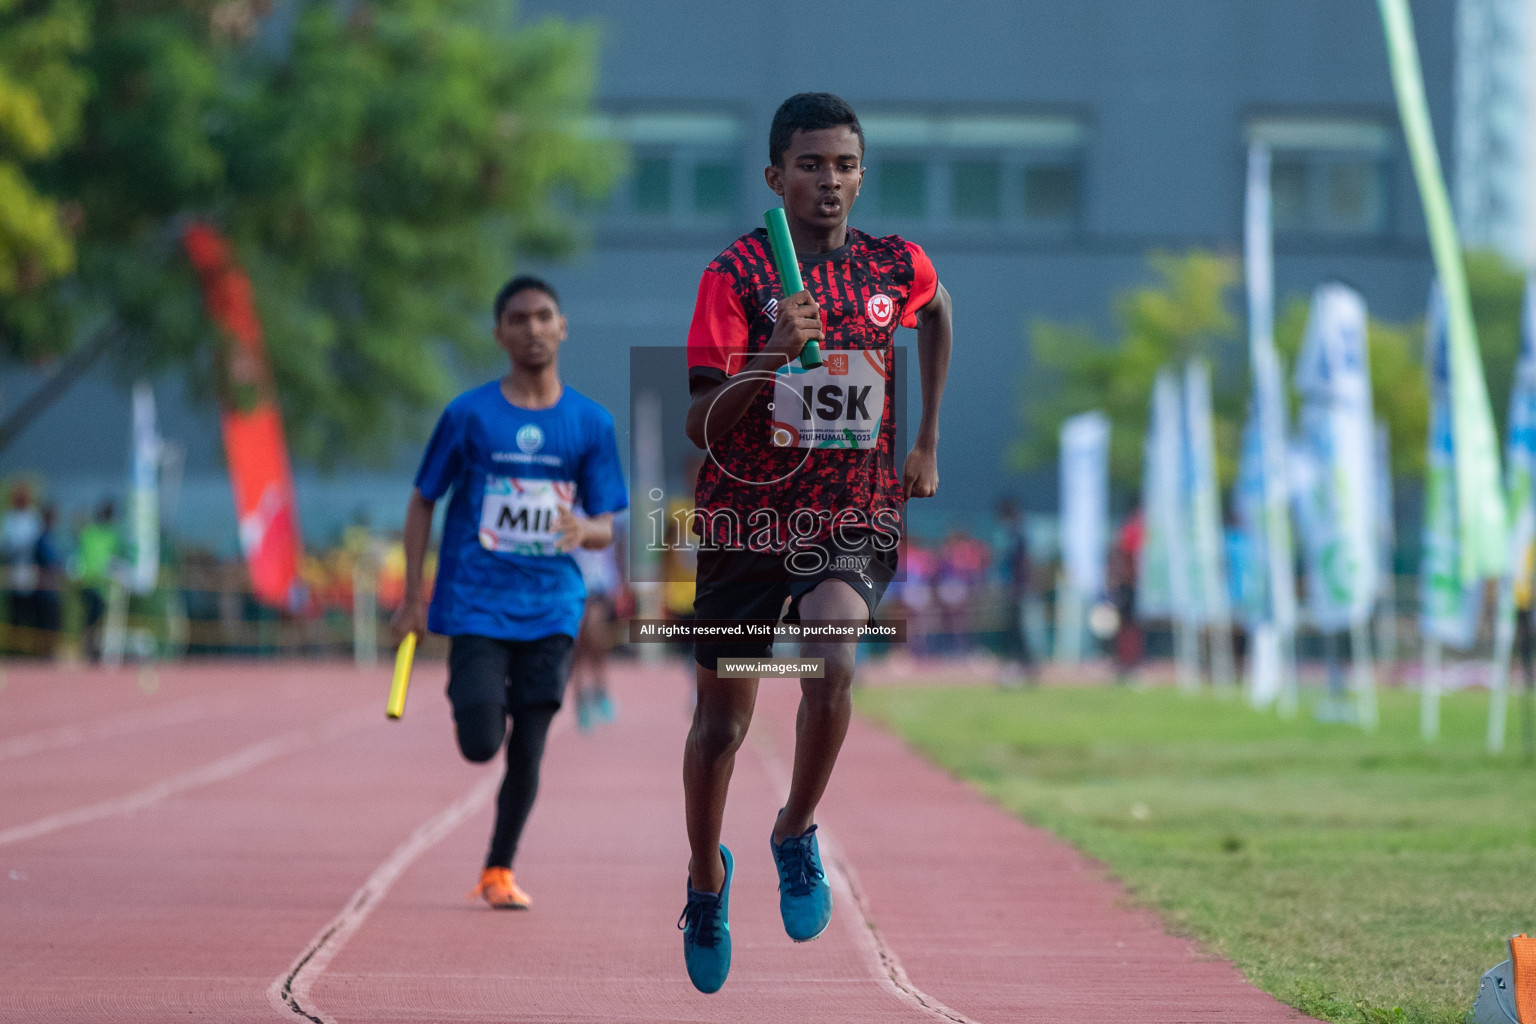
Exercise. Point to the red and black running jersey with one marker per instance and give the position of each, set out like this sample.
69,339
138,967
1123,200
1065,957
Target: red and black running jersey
812,456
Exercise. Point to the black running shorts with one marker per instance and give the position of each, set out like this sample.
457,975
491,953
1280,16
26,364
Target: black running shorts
512,673
735,585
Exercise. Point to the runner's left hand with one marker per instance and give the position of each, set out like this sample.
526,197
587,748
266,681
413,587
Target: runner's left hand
920,473
570,531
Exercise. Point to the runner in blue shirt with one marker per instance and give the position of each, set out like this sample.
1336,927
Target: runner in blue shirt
518,454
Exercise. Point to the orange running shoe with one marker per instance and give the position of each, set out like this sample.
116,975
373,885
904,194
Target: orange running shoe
499,889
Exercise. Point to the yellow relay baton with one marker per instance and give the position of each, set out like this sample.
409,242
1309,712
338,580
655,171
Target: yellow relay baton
403,658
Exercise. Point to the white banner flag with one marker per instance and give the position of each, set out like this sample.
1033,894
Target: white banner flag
1449,608
1251,573
1212,601
144,496
1269,412
1164,585
1338,433
1085,501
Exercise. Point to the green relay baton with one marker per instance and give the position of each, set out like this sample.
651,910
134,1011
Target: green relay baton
788,265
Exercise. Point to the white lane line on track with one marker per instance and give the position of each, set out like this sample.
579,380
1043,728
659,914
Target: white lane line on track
215,771
289,993
123,724
885,965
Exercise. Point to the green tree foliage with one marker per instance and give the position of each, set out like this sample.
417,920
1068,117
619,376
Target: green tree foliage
1188,312
1497,291
42,92
1184,313
379,167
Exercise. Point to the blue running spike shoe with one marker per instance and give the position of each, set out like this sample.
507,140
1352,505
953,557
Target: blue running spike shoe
805,898
706,928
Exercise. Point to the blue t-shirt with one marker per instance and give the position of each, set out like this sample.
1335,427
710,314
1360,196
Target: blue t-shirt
511,470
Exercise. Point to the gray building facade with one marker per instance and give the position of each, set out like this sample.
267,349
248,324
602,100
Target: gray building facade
1038,151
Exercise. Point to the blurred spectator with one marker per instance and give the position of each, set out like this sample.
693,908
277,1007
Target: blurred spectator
962,569
392,575
19,530
1013,569
1124,564
600,571
1242,585
912,591
96,556
47,604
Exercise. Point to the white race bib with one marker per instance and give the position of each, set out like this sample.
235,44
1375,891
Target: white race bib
839,404
520,516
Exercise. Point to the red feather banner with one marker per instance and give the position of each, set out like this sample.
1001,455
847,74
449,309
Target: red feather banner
254,447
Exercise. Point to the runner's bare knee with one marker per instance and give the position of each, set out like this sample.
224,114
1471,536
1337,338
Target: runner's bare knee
829,693
718,732
837,660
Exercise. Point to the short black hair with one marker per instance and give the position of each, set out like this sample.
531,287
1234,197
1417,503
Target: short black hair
522,283
809,112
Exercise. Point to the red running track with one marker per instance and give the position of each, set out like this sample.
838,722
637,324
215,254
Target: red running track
257,843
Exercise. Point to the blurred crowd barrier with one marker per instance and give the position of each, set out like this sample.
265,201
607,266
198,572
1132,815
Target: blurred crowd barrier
203,605
962,598
211,612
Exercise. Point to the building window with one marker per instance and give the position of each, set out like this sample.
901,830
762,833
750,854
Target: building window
651,186
1327,176
714,187
685,168
976,189
901,188
1049,192
993,171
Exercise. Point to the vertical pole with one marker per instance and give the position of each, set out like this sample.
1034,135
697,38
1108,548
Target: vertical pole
1334,706
650,479
1069,623
1523,631
1363,674
1429,692
178,630
1290,688
115,631
1498,672
1223,658
1386,628
1264,672
1259,259
1186,650
365,608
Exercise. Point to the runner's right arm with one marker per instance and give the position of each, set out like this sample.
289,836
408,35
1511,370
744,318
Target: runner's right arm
411,617
440,467
718,329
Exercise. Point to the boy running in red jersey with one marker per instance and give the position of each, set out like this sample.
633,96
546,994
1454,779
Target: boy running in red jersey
799,498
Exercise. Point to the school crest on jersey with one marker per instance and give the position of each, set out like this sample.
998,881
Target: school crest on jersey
530,438
880,309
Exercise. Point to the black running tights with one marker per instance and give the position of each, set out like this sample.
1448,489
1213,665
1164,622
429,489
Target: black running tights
480,729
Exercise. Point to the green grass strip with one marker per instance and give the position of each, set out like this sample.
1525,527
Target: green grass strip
1357,878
